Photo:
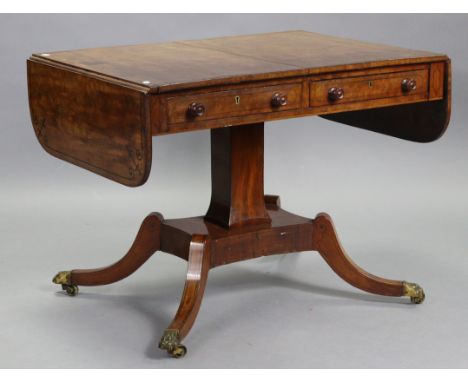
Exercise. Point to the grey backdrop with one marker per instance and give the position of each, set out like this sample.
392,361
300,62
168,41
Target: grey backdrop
401,210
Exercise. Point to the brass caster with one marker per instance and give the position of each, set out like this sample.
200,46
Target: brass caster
178,352
170,342
71,290
64,279
414,292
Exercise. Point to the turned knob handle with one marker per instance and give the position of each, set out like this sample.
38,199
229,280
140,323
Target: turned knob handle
279,100
196,110
408,85
334,94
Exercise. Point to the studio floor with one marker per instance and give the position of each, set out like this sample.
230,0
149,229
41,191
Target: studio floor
281,311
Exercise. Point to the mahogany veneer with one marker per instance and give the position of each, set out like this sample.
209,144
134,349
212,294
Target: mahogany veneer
99,108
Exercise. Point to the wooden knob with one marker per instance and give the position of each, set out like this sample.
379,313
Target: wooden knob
196,110
279,100
334,94
408,85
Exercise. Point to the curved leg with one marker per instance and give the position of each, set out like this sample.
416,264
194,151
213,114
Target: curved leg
197,273
146,243
325,241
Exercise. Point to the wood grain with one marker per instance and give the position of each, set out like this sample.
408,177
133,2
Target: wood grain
237,196
229,60
93,124
97,108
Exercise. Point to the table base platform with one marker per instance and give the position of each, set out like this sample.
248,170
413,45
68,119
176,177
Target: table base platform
206,245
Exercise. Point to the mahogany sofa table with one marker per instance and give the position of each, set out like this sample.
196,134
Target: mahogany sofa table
99,108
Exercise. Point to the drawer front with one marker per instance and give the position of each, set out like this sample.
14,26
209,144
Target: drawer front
365,88
234,103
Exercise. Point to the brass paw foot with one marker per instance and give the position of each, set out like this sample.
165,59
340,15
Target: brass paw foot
414,291
170,341
64,279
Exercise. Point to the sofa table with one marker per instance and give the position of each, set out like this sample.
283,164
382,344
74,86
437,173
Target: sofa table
99,108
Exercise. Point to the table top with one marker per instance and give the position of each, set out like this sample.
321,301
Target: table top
99,108
197,63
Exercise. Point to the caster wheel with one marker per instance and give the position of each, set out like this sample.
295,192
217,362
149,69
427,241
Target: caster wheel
170,342
418,299
71,290
179,351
